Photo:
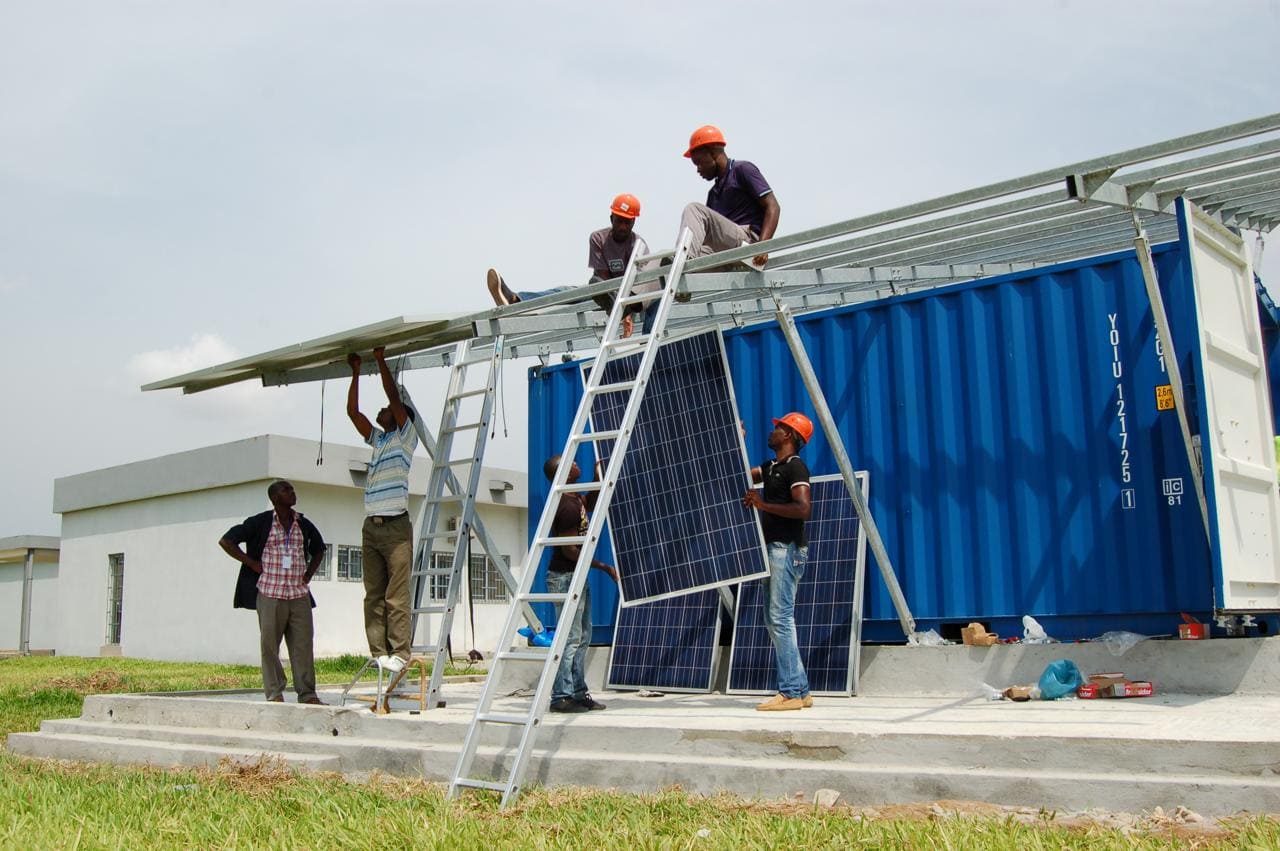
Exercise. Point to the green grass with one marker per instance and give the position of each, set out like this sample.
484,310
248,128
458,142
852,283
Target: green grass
53,805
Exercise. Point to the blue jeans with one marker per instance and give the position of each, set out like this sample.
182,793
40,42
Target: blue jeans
530,295
786,566
571,679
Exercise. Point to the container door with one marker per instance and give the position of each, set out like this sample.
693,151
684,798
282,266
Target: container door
1236,435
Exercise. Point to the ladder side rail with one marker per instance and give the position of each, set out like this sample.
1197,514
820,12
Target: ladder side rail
533,558
595,527
465,518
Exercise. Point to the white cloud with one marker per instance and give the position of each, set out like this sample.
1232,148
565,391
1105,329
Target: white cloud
203,350
242,403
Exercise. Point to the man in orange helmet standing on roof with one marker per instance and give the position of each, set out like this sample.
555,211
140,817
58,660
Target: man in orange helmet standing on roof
608,251
741,207
783,505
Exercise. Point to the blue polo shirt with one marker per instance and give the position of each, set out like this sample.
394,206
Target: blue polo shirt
736,194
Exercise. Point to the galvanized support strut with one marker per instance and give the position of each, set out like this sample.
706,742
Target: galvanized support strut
1143,247
819,399
28,579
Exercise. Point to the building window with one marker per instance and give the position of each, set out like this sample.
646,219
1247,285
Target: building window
115,596
439,585
486,582
326,570
350,564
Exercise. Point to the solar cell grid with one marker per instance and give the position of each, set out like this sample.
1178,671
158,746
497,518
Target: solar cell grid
826,601
676,518
667,644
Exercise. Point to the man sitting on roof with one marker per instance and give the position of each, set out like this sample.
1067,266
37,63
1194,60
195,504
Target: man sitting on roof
741,207
608,251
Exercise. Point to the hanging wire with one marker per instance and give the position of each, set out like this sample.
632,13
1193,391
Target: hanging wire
320,453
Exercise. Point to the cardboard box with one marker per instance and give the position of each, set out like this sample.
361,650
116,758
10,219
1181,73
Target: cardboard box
976,635
1131,689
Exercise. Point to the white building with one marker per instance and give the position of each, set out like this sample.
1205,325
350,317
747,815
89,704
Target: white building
141,573
28,593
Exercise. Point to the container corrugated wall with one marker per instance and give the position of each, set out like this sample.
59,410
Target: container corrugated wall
1018,461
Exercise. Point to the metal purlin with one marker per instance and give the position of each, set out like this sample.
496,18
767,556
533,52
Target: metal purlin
612,348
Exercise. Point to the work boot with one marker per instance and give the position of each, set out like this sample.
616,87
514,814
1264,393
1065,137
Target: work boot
502,294
313,701
777,698
808,700
276,699
784,705
591,703
567,704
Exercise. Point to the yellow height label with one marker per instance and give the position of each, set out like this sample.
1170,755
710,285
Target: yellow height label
1164,397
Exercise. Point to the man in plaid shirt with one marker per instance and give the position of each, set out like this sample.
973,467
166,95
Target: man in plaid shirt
284,551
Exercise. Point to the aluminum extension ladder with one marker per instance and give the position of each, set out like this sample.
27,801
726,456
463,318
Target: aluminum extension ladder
529,718
444,488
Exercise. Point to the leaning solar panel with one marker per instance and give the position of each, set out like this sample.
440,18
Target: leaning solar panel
827,599
667,644
676,518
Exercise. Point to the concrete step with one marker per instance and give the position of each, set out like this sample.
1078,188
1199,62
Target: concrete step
869,783
987,741
129,750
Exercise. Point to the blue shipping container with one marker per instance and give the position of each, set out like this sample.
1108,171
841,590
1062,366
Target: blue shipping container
1015,431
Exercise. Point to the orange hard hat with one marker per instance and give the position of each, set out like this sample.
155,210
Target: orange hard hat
626,205
708,134
798,423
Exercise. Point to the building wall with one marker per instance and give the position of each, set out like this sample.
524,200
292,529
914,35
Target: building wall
44,606
178,583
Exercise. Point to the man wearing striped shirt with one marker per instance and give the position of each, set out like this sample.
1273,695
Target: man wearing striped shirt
387,536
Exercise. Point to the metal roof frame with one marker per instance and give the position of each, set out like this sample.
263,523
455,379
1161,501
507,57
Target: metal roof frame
1073,211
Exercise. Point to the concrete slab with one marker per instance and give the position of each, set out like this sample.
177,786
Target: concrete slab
1216,755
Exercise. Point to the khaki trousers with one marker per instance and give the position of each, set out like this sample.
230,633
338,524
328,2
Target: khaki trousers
290,620
388,552
712,232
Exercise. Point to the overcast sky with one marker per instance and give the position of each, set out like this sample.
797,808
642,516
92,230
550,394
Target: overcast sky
182,183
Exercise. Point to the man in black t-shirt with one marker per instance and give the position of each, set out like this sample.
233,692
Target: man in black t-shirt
783,504
569,693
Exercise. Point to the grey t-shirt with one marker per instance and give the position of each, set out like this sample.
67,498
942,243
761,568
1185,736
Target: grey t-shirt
603,254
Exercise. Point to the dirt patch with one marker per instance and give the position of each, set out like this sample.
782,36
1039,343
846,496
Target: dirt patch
99,682
261,776
220,681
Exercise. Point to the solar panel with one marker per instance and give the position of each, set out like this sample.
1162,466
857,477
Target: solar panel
676,519
828,603
668,644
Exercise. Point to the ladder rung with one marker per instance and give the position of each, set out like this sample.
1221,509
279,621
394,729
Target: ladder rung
521,656
438,609
637,340
467,394
561,541
578,486
491,785
499,718
596,435
422,649
620,387
449,497
463,427
543,597
440,533
432,571
639,298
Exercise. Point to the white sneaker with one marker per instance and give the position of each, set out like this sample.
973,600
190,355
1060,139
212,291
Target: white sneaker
394,664
380,661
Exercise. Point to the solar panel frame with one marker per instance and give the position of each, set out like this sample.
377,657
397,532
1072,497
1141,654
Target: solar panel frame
690,628
740,537
751,651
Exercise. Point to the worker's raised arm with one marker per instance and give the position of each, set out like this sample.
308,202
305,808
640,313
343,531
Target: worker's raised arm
359,420
389,387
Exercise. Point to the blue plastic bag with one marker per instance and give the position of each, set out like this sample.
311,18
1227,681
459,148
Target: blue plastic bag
1060,679
538,639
